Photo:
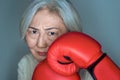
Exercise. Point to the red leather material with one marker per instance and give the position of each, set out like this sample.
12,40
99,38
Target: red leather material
72,51
44,72
81,48
107,70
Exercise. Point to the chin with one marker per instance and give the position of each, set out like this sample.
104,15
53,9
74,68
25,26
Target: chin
41,58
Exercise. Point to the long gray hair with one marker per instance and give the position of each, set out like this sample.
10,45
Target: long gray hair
64,8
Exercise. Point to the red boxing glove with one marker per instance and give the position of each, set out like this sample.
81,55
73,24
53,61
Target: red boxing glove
79,49
44,72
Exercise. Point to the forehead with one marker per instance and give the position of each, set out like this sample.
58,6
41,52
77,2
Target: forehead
46,18
45,14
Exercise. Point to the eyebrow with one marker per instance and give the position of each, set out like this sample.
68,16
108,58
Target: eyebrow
51,28
45,28
33,28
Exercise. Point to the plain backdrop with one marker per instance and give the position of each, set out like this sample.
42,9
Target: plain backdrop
100,19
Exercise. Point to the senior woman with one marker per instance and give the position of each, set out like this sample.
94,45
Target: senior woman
43,22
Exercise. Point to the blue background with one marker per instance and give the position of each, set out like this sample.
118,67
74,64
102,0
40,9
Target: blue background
100,19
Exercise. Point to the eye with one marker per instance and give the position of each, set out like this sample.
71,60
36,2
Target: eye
34,31
51,33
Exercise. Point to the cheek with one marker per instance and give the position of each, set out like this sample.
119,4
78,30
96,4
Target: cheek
51,40
31,43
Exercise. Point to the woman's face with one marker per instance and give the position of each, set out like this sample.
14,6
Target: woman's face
44,28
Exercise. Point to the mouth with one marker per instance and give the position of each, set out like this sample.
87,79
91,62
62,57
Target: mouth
42,53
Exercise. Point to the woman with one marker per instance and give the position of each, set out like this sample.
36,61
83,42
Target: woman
41,24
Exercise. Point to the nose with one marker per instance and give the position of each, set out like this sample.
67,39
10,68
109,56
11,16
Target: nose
42,42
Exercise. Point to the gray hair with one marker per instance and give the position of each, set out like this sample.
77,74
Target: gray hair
64,8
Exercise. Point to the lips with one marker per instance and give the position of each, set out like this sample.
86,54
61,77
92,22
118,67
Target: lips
42,53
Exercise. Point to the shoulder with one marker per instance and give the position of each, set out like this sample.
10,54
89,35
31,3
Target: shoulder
26,67
27,63
27,60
